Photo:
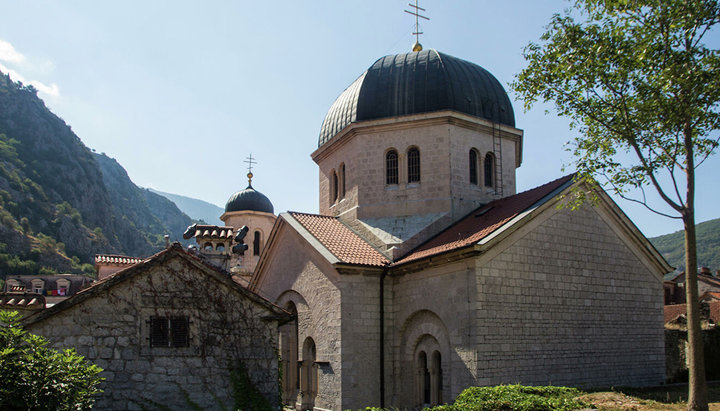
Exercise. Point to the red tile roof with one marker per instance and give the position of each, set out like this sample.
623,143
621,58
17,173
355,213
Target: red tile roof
673,311
214,231
342,242
483,221
116,259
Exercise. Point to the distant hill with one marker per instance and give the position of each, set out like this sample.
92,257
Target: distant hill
196,209
60,204
672,246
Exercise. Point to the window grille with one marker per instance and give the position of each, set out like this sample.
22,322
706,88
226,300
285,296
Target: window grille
169,332
413,165
473,167
391,167
489,169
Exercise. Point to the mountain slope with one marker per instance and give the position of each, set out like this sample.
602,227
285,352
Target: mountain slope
196,209
672,246
56,210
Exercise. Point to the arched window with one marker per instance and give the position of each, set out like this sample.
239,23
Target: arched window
208,247
256,243
473,166
220,247
422,377
391,167
342,180
436,378
289,355
489,169
308,375
413,157
333,187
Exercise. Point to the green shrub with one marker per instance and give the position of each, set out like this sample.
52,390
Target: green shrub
516,398
39,378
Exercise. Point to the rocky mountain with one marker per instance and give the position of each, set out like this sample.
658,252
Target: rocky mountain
196,209
60,203
672,246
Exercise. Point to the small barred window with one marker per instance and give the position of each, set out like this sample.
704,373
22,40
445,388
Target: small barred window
169,332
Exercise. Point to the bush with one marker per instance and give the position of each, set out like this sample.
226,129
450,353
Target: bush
516,398
40,378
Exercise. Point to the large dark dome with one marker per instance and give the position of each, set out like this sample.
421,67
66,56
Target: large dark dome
249,200
419,82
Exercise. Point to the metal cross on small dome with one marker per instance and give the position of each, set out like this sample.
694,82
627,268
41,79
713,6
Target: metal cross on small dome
417,46
250,162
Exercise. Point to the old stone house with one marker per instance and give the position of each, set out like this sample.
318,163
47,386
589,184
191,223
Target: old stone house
168,327
54,287
425,272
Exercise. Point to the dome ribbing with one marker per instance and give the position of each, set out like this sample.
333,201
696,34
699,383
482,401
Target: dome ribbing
419,82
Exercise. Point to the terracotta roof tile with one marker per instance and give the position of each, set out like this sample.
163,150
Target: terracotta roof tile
673,311
483,221
116,259
342,242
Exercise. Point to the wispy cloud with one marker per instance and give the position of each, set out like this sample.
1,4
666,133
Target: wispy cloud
11,56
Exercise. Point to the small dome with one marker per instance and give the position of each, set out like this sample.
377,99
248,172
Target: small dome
419,82
249,200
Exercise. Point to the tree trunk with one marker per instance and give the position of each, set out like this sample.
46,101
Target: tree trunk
697,385
697,395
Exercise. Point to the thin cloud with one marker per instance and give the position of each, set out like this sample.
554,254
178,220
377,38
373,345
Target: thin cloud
9,54
50,90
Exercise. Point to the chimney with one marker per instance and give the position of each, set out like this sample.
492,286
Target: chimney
705,270
167,241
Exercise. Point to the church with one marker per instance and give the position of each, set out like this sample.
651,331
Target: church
426,272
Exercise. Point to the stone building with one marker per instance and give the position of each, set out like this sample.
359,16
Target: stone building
425,272
168,327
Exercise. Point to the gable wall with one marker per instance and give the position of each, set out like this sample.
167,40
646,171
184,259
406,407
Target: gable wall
111,331
569,303
296,272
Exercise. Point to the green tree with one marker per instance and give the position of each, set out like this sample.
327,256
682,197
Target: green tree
35,377
639,81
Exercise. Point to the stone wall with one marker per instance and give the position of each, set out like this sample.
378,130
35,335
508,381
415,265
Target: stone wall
111,330
676,354
444,186
569,303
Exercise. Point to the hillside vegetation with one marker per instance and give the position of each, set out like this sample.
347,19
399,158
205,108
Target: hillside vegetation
60,204
672,246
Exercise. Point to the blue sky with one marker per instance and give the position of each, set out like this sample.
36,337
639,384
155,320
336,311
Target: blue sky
181,92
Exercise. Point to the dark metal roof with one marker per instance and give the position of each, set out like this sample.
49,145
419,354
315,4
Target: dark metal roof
249,200
414,83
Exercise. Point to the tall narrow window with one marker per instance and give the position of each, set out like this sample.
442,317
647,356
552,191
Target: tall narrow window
489,170
391,167
256,243
333,187
342,180
413,165
473,166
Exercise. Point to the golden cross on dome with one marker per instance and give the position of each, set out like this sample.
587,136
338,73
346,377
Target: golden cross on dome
250,162
417,46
